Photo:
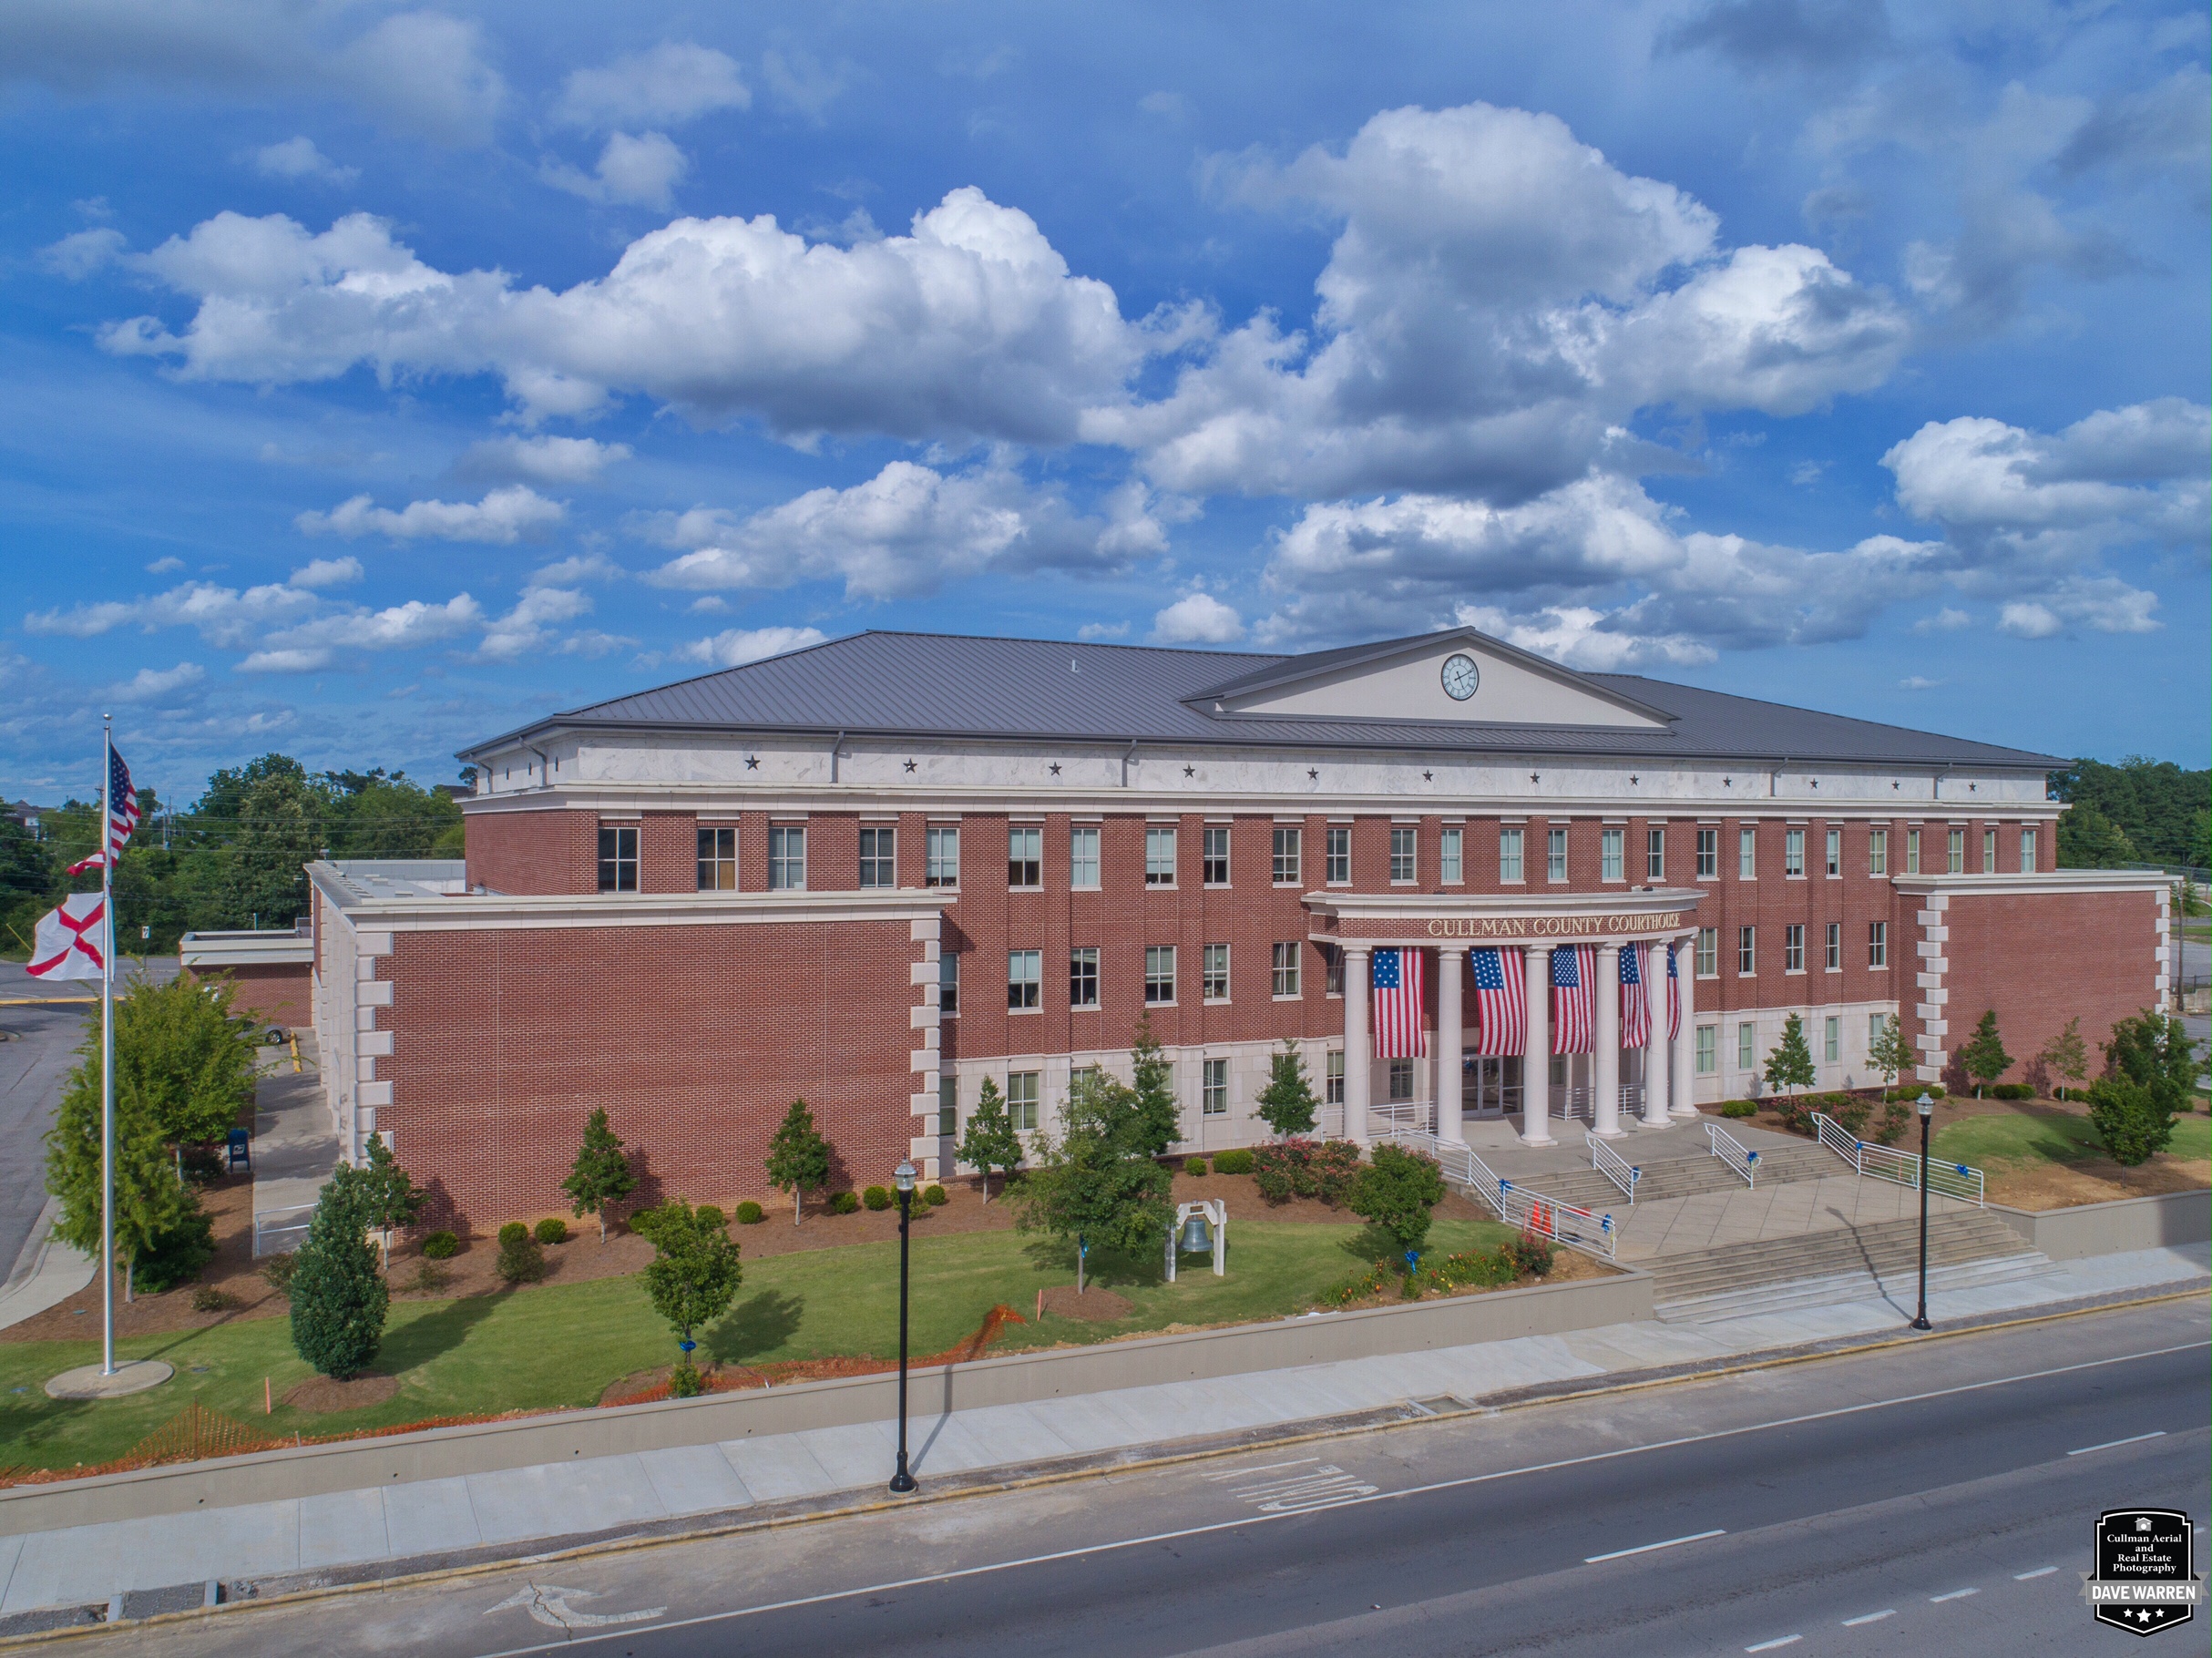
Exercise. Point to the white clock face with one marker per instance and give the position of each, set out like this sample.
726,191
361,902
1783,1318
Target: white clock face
1461,677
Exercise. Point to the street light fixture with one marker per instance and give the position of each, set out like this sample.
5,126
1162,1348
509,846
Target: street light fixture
902,1481
1926,1107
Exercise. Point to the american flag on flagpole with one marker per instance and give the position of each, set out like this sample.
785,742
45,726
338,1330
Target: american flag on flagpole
1398,1033
122,816
1673,997
1574,972
1635,1010
1501,1002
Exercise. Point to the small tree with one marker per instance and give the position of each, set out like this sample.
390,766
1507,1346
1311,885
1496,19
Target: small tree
2154,1052
1396,1190
1890,1052
1287,1104
338,1300
152,1203
1790,1065
2129,1119
990,1141
1157,1123
1984,1057
389,1198
798,1157
2066,1056
180,1050
692,1278
1099,1186
602,1176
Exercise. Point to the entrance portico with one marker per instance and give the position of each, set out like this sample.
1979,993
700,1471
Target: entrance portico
1525,928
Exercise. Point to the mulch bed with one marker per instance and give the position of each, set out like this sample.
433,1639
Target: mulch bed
323,1393
1094,1305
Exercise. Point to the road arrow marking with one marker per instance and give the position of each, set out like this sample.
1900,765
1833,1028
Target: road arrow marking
549,1603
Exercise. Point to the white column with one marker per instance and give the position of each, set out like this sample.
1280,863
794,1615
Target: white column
1655,1044
1359,1059
1536,1057
1685,1102
1449,960
1605,1067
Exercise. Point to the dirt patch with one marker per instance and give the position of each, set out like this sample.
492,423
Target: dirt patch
1094,1305
322,1395
2092,1180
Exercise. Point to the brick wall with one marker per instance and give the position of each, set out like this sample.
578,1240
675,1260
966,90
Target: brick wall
533,852
274,993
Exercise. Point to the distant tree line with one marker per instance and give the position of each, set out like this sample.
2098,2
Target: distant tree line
2138,812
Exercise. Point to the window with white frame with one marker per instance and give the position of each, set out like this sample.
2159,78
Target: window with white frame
1448,857
1555,854
1217,855
1793,852
1834,962
1707,955
1831,1045
1708,1050
1332,1077
1021,1100
1747,854
1025,855
1988,852
878,856
787,859
1160,854
1747,951
1954,852
1509,854
1834,839
1339,852
2027,851
1214,978
1287,848
1285,966
1402,844
1024,980
1655,855
1332,970
1401,1080
1877,852
1793,948
1912,852
1083,857
1877,944
1083,975
1747,1047
949,985
1159,973
1878,1027
1214,1088
948,1107
617,858
718,860
1613,854
1708,855
941,863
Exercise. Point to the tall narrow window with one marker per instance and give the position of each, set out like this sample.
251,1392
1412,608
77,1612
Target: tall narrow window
942,866
1214,977
1835,946
1332,1077
619,858
1747,951
1332,970
1021,1100
1708,1046
1402,844
1793,948
1024,980
1285,966
1878,1027
1613,854
1286,859
1655,855
1988,852
949,985
1339,872
1214,1088
1083,975
1831,1046
878,856
1025,856
1082,856
718,860
1159,973
1708,855
1555,854
1747,854
1912,852
948,1107
1401,1080
1877,852
1160,856
1448,857
1877,944
1835,853
787,859
1793,852
1509,854
1747,1047
1217,855
2027,851
1954,852
1707,954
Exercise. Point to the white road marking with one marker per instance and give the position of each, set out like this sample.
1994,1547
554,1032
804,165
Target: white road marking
1872,1617
550,1606
2040,1572
1956,1594
1768,1646
1622,1554
1265,1468
1323,1487
2108,1444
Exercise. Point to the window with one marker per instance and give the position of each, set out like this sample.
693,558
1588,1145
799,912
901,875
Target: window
1746,1049
1613,854
1509,854
1286,967
1213,972
1912,852
1025,856
1954,853
1339,872
1402,844
1708,952
1555,854
944,860
1286,859
1793,852
1448,857
1747,951
1024,980
1835,853
1083,975
1655,855
787,860
1159,973
1217,855
1877,944
718,860
1214,1088
948,1106
1332,1078
879,858
1988,852
1793,948
1877,852
1401,1080
1708,1045
1834,962
1832,1047
2027,851
1021,1100
619,859
1332,970
1160,856
1082,856
1748,854
1708,855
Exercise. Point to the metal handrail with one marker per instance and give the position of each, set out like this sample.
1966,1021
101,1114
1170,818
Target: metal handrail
1518,1206
1731,1151
263,1232
1960,1180
1614,1167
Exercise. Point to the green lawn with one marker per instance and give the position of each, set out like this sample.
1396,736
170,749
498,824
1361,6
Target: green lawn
561,1344
2011,1139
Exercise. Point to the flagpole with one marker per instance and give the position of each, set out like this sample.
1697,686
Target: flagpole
107,1050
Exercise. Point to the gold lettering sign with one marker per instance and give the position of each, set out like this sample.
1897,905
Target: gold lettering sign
1552,927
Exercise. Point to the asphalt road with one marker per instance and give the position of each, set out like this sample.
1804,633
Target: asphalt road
1935,1498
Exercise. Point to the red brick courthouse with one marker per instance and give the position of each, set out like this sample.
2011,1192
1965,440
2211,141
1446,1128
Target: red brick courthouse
876,871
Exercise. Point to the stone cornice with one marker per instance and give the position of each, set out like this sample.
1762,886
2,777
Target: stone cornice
477,911
1538,918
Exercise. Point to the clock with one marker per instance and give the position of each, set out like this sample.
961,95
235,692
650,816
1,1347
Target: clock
1461,676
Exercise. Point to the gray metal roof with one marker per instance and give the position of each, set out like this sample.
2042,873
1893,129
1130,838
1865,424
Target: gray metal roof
960,686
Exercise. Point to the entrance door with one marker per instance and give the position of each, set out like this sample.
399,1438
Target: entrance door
1487,1082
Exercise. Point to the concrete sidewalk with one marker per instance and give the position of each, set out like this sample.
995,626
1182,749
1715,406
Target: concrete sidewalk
420,1522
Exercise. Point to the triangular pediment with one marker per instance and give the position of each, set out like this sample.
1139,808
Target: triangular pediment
1415,678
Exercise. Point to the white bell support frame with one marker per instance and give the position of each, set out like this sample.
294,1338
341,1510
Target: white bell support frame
1217,1212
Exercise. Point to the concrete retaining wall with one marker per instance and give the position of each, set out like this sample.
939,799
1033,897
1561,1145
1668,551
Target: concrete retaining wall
2106,1229
1013,1379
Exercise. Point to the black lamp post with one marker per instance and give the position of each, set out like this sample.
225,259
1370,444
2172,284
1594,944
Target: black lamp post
1927,1106
902,1481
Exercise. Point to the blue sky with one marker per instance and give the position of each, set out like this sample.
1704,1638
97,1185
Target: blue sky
379,378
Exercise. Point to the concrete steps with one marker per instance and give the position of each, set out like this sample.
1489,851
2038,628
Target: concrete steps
1682,1177
1874,1253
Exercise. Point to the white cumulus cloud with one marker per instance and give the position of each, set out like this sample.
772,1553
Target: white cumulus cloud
327,573
152,684
641,169
1197,619
299,159
734,647
670,83
502,516
540,460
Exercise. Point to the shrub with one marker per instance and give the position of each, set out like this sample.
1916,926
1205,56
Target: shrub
1193,1165
845,1202
684,1382
176,1254
1850,1112
750,1214
2011,1091
1894,1116
277,1271
1794,1114
877,1198
207,1298
1396,1191
552,1230
521,1261
935,1197
514,1232
428,1276
338,1300
441,1246
1739,1108
712,1217
1233,1162
1359,1287
1306,1168
1531,1254
203,1165
2129,1119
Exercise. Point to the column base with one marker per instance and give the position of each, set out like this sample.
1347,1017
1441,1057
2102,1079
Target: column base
1682,1113
1610,1133
1660,1121
1538,1139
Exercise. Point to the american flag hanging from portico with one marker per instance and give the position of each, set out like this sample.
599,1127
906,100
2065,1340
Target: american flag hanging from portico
1635,1010
1574,972
1673,997
1398,1034
1501,1001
